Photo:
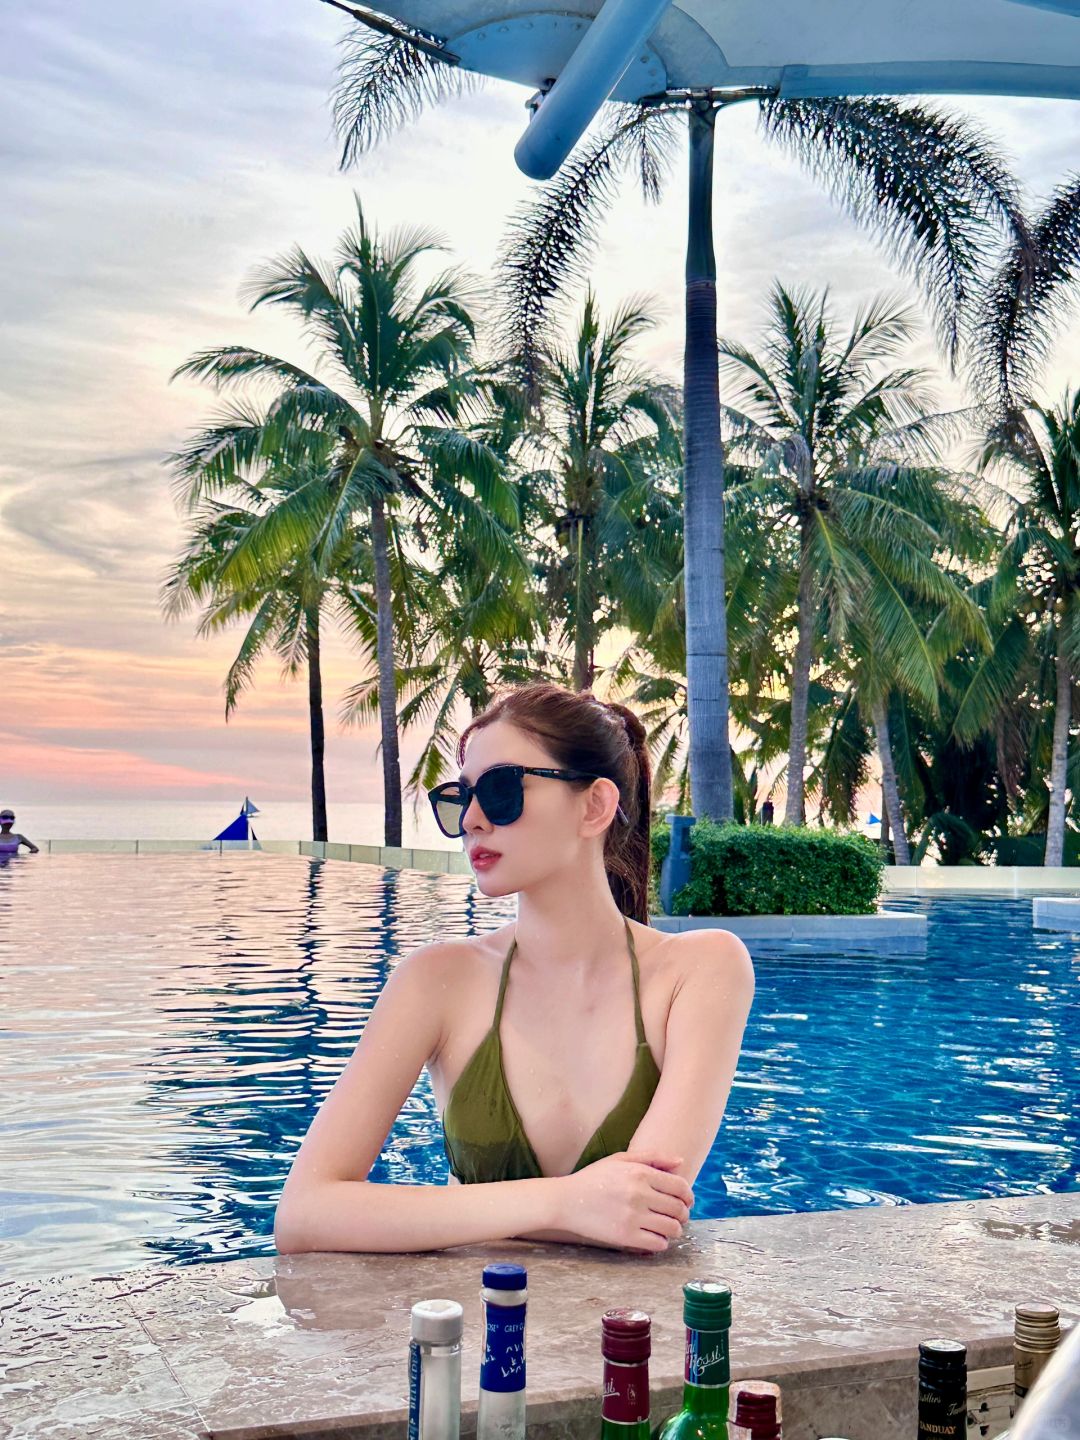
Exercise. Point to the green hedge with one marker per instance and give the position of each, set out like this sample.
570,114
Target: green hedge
774,870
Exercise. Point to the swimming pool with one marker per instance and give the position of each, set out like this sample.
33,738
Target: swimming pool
172,1022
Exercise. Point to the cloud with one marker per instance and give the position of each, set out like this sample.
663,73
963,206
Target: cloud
151,157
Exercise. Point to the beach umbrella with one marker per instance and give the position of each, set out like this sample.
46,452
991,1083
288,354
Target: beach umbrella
585,53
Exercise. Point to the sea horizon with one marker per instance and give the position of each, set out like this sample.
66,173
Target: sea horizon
169,819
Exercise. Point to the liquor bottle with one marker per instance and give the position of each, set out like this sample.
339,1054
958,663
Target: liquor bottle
1052,1410
500,1414
626,1342
435,1370
1035,1338
1036,1335
757,1408
942,1390
707,1373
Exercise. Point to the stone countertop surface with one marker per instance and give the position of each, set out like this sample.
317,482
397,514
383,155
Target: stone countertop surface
315,1345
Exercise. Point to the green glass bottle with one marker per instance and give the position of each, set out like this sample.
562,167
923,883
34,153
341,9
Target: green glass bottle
707,1375
626,1340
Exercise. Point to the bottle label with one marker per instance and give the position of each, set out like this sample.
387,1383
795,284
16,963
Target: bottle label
707,1359
416,1389
626,1392
503,1366
941,1416
1028,1367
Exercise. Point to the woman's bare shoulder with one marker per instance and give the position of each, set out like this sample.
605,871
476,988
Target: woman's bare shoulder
695,956
458,956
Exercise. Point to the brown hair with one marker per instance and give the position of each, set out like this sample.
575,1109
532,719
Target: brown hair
581,732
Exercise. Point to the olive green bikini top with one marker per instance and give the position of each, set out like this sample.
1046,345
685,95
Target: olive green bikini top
482,1130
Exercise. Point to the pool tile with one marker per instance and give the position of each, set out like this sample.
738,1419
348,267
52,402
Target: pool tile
75,1362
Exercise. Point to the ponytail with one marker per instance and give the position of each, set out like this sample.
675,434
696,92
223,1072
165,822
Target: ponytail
627,847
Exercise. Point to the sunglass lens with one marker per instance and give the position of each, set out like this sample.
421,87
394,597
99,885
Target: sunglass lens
449,808
501,795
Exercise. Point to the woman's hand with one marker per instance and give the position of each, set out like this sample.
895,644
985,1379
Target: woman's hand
632,1200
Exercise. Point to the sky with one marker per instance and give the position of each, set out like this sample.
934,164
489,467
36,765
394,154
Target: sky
151,156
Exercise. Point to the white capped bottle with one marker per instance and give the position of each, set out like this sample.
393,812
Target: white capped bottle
435,1370
500,1414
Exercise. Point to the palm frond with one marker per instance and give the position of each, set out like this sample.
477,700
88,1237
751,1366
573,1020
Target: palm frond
383,83
1026,302
930,185
551,240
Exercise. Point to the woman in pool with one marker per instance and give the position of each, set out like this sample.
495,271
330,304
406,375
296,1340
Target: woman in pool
581,1060
10,840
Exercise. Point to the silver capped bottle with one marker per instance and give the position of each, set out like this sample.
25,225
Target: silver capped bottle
435,1370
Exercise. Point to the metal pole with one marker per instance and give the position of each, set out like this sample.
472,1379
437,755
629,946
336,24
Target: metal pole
588,78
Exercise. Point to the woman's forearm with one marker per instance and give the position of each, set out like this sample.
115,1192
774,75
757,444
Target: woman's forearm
358,1215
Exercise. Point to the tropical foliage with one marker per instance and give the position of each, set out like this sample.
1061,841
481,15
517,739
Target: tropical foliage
483,493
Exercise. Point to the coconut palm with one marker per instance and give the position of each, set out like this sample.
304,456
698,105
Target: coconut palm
1042,447
927,184
1022,314
394,373
845,454
225,569
603,435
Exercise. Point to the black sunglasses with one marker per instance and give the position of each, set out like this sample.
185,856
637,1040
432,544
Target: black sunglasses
501,793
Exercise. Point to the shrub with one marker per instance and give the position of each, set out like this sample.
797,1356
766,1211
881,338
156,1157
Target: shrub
774,870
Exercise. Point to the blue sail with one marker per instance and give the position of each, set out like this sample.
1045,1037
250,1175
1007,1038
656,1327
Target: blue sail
238,830
237,836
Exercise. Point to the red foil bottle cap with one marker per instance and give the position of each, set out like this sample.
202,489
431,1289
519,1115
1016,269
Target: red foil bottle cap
626,1335
757,1407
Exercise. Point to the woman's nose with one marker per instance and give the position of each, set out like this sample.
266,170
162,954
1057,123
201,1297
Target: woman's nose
473,816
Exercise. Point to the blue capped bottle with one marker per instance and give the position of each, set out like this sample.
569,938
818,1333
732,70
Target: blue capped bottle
500,1413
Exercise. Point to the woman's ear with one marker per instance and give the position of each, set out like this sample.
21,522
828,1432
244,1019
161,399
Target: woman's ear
601,803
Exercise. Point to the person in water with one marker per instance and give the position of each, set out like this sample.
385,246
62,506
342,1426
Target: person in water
581,1060
10,840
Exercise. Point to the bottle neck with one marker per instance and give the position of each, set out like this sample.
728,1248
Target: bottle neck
711,1400
625,1414
613,1430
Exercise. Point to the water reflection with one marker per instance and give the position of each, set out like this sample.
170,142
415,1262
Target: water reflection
174,1023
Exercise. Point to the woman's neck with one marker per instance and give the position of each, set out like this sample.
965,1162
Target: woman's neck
571,922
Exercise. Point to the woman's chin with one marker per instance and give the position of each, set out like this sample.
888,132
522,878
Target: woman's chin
490,885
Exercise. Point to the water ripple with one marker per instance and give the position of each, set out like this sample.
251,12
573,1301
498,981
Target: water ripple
174,1022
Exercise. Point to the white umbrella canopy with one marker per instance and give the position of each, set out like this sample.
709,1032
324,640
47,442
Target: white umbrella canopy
630,49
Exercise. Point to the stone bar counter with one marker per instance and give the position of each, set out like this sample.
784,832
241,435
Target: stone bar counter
829,1305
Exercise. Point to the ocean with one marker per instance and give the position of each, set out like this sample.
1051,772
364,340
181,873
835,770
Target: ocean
166,819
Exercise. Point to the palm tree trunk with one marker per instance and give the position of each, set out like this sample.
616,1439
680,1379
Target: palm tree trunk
890,790
583,610
384,616
795,808
1055,822
318,730
706,616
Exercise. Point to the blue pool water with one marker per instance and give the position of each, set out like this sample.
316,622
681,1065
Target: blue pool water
171,1024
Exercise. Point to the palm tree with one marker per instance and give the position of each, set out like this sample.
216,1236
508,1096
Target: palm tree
1021,316
225,569
395,369
1043,545
844,448
927,184
603,431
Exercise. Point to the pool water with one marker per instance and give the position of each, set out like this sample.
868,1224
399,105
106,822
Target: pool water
171,1024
